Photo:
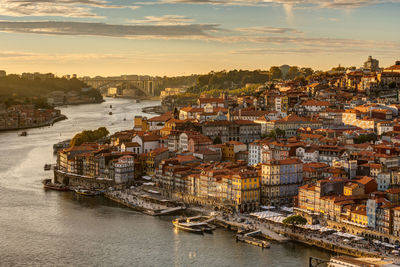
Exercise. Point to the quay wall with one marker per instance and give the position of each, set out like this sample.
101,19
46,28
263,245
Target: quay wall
122,202
331,247
82,181
47,123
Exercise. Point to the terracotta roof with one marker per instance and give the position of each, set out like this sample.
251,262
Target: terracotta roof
211,100
313,102
283,161
293,118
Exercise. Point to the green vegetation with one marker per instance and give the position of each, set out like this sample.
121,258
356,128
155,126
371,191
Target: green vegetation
228,80
365,138
17,90
277,133
89,136
217,140
180,100
295,220
180,81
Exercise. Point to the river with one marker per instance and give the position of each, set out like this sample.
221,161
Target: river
48,228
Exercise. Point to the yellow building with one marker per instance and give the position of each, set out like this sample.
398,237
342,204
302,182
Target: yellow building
171,91
229,150
353,189
112,91
359,215
246,190
141,124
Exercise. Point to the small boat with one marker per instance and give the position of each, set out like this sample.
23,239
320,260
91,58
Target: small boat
87,192
47,184
110,106
24,133
185,226
47,167
110,113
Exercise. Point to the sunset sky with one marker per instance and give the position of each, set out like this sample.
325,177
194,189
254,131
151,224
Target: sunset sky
181,37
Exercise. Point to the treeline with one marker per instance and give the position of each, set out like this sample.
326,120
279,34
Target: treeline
236,79
179,81
89,136
14,89
228,80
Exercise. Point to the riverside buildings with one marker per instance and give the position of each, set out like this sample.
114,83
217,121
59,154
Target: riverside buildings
330,149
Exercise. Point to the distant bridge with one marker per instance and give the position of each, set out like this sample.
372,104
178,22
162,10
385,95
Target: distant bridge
147,86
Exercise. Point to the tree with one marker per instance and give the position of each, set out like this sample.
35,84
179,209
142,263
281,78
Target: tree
392,85
275,73
293,72
280,133
301,80
89,136
217,140
295,220
307,71
365,138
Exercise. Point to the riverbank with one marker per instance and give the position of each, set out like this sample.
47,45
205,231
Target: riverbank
75,103
44,124
280,233
332,242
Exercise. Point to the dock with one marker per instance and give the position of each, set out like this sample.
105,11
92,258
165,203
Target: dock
253,241
146,205
267,233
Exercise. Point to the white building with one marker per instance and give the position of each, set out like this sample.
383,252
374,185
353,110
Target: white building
124,169
147,143
384,127
130,147
255,149
307,154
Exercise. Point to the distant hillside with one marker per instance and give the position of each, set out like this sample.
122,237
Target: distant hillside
14,89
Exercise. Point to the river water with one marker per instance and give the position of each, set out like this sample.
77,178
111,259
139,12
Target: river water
48,228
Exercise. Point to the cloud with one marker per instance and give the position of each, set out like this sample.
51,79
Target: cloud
64,8
312,41
109,30
267,30
164,20
288,3
312,50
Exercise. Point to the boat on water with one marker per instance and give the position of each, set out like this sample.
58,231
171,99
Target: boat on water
110,113
47,167
188,227
86,192
110,106
24,133
48,184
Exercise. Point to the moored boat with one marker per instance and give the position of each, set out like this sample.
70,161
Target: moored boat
47,167
87,192
185,226
48,184
24,133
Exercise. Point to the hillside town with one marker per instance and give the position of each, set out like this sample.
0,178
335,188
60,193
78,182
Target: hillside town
328,151
27,116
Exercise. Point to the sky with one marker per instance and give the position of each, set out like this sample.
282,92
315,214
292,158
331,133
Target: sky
183,37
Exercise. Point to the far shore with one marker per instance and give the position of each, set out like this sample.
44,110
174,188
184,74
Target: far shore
44,124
